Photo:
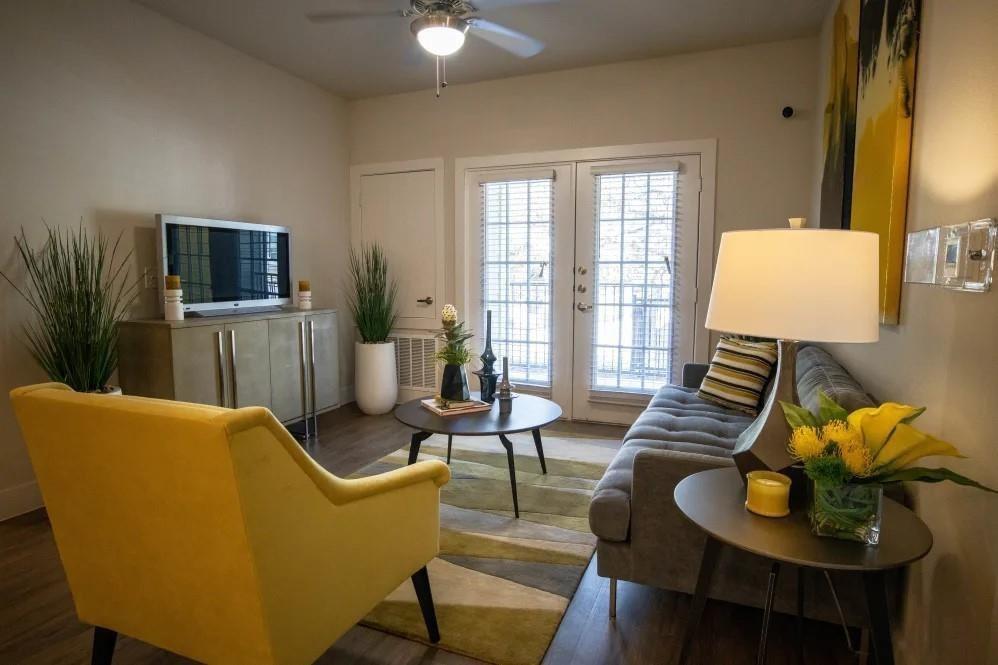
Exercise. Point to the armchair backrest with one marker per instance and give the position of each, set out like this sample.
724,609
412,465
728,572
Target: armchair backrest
145,506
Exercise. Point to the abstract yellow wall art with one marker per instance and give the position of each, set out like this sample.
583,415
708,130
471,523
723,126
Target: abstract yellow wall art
888,43
840,117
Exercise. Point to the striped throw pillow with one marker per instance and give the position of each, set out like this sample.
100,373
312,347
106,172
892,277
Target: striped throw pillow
738,374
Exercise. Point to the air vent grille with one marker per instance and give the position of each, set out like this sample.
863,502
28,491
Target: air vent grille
414,357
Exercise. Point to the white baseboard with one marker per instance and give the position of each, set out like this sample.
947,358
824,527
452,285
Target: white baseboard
19,499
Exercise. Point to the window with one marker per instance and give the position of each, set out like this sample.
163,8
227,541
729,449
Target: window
635,238
517,219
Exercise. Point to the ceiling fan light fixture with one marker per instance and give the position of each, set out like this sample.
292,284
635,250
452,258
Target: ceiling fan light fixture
440,35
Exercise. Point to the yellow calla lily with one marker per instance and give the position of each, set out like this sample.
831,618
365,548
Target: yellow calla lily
876,424
906,445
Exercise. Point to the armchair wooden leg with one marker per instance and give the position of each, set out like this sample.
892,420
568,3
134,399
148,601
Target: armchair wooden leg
421,582
613,598
103,650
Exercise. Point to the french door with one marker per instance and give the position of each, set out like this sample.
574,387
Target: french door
589,270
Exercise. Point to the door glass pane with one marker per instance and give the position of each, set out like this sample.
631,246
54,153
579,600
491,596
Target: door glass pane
633,311
516,275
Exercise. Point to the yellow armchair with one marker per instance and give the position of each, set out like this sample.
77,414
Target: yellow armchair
210,532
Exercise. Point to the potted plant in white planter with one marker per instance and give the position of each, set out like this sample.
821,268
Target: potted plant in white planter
78,286
372,299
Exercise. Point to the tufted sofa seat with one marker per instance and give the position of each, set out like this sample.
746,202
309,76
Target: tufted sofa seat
676,419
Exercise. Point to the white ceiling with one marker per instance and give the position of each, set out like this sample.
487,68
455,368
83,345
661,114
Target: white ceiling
362,58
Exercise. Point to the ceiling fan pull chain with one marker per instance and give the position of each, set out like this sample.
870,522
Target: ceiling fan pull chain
443,66
438,76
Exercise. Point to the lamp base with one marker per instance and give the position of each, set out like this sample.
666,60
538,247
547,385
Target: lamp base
763,446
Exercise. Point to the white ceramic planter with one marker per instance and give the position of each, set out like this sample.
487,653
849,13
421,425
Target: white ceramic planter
376,386
108,390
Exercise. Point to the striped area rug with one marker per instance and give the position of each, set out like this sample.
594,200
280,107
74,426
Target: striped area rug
501,585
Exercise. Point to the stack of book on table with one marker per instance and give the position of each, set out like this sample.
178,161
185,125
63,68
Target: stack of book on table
451,408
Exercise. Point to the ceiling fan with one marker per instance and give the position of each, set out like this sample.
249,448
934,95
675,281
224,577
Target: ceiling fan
440,25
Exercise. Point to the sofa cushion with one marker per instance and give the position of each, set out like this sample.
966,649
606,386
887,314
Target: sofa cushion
676,419
738,374
818,372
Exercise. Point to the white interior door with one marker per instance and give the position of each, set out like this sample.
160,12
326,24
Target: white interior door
401,211
635,282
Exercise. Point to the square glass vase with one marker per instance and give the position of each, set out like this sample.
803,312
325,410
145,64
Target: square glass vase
849,512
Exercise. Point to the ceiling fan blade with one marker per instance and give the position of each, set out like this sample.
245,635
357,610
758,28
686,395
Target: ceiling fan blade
505,38
487,5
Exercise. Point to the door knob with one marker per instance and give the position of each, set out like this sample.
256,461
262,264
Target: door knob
583,307
428,300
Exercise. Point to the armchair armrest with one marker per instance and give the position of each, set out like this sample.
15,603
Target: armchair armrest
340,491
693,374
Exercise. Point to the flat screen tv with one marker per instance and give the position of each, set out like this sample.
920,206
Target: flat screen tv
225,266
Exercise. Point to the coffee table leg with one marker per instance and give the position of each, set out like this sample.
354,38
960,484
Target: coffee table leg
880,623
707,564
508,445
450,441
540,449
417,438
767,613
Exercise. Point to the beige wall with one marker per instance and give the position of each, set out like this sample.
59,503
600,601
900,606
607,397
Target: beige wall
733,95
111,113
944,355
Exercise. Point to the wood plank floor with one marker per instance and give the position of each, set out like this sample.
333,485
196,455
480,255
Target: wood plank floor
38,624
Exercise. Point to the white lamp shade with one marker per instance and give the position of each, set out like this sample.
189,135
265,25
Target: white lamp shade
815,285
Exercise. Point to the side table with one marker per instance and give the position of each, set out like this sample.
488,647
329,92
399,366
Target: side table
715,501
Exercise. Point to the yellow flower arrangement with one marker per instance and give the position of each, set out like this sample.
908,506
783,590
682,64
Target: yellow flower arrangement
873,445
806,442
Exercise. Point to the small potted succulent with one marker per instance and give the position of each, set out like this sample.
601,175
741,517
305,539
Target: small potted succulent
78,286
850,457
454,354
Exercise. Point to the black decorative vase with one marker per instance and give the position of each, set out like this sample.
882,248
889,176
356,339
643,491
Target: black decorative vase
487,376
454,385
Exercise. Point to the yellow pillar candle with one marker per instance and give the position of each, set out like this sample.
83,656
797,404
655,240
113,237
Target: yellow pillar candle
768,493
172,282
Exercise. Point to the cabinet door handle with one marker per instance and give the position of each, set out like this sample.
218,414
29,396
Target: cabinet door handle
428,300
311,371
220,368
304,374
232,367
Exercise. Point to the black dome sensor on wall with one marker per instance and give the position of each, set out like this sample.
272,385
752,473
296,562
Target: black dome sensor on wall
788,111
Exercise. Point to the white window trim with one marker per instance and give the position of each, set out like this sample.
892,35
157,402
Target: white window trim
466,182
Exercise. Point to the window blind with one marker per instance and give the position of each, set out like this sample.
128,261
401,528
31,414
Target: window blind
517,217
635,261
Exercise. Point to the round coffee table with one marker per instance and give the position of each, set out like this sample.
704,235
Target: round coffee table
530,413
715,501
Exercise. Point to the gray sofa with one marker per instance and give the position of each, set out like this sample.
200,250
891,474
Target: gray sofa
642,535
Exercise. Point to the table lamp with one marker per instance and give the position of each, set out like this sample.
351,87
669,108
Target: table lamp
794,285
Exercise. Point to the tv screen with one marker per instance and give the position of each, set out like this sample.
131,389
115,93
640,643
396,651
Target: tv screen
227,263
